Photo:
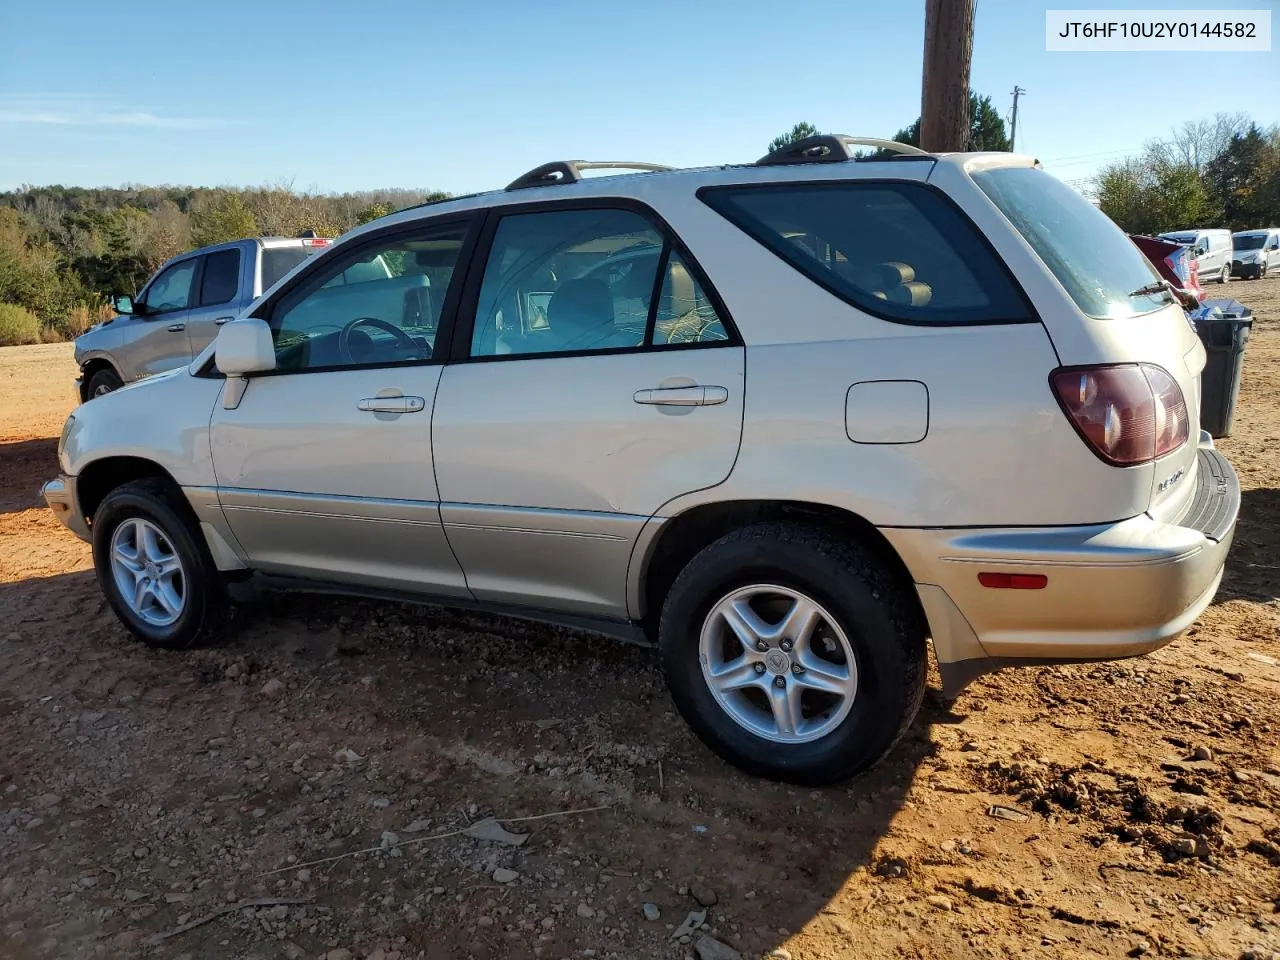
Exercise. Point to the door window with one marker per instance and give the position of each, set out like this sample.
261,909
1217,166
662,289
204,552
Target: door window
580,281
221,277
379,304
172,289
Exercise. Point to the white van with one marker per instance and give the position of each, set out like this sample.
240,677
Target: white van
1211,249
1255,252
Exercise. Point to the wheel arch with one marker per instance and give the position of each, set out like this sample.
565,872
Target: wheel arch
92,366
678,539
100,477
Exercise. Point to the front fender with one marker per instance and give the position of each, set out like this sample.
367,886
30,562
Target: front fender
163,419
100,343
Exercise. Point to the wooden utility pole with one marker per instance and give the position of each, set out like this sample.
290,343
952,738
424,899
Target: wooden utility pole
948,48
1013,123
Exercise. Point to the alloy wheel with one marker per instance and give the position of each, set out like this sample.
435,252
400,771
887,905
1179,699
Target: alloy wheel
148,572
778,663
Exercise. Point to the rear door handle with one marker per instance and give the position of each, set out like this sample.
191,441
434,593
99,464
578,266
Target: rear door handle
392,404
221,320
683,396
176,327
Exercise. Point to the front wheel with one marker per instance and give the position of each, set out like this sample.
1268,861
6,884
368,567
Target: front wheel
154,567
103,382
792,653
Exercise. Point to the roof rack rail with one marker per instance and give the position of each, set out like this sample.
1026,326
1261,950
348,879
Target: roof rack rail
832,148
570,171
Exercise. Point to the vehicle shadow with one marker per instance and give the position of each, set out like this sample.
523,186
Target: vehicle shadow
24,465
515,718
1253,565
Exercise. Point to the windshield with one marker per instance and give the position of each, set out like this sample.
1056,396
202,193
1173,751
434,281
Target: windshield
277,261
1248,241
1099,266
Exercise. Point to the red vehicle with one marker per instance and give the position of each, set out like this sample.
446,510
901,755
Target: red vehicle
1173,262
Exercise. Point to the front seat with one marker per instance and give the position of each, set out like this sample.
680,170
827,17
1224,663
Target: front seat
580,315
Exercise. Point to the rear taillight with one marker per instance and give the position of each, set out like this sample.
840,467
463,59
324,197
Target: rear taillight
1127,413
315,242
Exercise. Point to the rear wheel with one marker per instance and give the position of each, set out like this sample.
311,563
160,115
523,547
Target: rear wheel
792,654
104,381
1225,275
154,567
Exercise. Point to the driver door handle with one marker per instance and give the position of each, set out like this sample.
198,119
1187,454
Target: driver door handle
392,404
176,327
683,396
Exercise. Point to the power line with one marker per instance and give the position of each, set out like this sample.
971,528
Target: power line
1085,157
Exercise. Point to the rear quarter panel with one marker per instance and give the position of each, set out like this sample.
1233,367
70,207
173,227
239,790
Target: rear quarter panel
998,449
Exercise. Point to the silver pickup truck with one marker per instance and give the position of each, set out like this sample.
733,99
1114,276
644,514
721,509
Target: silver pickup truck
180,309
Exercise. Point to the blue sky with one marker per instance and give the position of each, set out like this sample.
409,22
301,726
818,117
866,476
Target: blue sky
336,96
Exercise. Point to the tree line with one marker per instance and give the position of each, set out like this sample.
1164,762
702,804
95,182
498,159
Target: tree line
1220,172
64,250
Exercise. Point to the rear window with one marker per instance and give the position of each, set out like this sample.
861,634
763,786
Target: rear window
221,277
277,261
900,251
1093,259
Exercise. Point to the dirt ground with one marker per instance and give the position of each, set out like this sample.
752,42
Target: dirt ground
1104,810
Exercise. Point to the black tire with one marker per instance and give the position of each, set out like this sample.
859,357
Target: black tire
207,608
104,381
882,624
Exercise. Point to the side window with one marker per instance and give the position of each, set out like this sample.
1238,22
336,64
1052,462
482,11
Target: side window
896,250
684,314
172,289
567,281
221,277
379,304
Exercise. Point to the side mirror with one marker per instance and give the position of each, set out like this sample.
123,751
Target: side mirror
122,303
243,347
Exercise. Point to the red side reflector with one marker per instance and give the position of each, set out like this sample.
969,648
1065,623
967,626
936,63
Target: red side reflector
1014,581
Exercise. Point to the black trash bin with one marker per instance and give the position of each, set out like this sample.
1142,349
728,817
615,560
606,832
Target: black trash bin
1224,338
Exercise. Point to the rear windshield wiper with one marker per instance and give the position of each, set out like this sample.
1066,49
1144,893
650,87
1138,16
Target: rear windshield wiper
1156,286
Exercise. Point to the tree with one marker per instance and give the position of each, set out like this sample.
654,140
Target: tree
221,220
986,127
798,132
1150,194
1197,142
374,211
1238,178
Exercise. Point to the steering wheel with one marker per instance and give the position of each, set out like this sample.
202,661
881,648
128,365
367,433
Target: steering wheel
344,339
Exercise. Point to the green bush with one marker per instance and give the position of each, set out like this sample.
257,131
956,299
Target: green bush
17,326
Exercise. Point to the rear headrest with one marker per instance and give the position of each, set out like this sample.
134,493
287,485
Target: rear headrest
683,296
580,311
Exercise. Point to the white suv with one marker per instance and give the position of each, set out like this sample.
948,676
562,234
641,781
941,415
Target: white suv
787,420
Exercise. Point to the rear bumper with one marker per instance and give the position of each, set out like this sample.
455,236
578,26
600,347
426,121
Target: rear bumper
60,495
1113,590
